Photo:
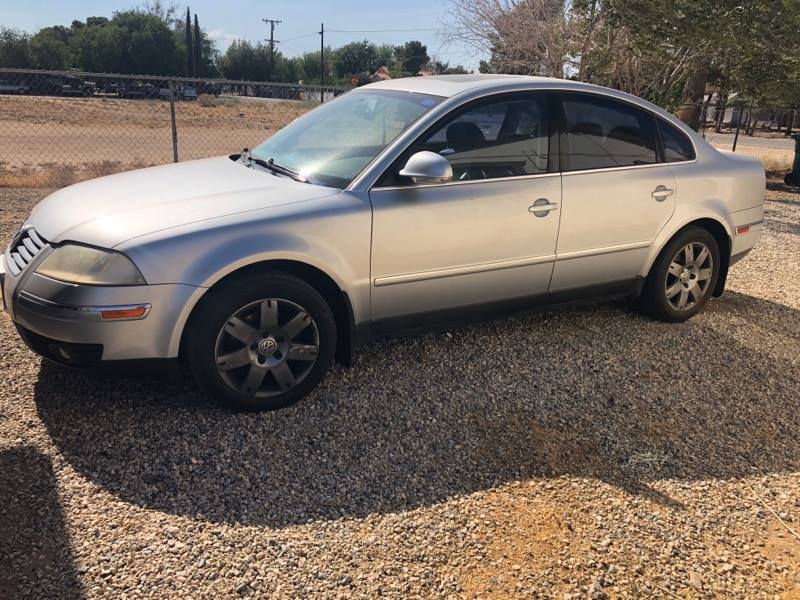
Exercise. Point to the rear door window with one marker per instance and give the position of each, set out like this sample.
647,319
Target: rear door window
603,133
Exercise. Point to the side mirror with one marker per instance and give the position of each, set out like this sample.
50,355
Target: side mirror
427,167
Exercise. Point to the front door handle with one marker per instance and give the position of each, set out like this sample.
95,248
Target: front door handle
542,207
661,193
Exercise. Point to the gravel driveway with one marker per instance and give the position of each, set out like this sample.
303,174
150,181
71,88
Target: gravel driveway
584,453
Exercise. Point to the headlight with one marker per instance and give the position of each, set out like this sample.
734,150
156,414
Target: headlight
90,266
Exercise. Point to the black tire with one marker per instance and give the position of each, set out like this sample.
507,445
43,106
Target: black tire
654,299
222,304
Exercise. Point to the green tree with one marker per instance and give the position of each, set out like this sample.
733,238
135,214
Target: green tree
412,56
98,21
667,51
15,50
670,51
309,66
444,68
356,58
197,49
152,47
286,69
190,57
49,49
208,56
100,48
244,60
385,56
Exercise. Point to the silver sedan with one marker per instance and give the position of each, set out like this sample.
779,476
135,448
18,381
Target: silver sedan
396,206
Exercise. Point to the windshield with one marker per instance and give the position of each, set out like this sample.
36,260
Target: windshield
331,144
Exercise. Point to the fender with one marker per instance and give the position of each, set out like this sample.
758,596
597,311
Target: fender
357,295
686,213
338,245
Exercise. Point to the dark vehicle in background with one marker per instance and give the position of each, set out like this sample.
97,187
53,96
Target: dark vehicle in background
188,92
205,87
9,87
106,86
73,86
139,90
281,92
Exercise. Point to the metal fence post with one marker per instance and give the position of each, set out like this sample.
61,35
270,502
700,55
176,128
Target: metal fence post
703,116
738,126
172,119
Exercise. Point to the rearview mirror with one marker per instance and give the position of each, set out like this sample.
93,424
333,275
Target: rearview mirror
427,167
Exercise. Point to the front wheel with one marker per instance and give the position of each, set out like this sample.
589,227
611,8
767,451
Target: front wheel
683,276
261,342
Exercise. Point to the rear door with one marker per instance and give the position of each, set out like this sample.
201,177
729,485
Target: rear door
616,195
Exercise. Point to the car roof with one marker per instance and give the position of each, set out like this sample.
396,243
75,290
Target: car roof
476,84
451,85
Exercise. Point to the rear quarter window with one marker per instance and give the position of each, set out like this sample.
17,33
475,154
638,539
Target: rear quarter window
677,146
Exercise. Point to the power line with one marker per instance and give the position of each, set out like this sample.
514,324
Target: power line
294,51
300,37
381,30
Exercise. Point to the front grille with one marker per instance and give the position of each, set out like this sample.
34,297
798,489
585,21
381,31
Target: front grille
26,245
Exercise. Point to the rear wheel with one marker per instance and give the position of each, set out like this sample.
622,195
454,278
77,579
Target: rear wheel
683,277
262,342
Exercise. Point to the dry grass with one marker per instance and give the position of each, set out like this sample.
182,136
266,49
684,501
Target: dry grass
252,113
47,142
208,100
776,166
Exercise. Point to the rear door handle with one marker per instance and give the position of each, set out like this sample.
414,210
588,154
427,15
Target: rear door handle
542,207
661,193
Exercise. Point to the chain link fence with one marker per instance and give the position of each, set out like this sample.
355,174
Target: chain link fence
57,128
765,132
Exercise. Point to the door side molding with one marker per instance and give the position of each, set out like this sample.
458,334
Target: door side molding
605,250
465,270
498,265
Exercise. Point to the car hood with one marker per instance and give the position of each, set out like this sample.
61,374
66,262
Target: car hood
110,210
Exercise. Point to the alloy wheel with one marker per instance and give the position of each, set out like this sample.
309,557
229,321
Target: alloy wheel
689,276
267,347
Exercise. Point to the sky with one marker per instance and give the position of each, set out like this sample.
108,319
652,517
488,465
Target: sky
227,20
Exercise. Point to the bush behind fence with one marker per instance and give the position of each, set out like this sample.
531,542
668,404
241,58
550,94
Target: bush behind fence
59,127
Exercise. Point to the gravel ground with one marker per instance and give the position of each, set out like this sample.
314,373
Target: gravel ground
584,453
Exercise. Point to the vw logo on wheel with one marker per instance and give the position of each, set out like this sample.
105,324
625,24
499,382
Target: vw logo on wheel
267,346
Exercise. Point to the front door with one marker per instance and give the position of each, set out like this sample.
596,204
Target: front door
479,238
616,196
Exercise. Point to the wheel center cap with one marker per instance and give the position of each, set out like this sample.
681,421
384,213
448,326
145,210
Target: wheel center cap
685,276
267,346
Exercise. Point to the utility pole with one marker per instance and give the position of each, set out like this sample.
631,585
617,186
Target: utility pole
322,61
272,40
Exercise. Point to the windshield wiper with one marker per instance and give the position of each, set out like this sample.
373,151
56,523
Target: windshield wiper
272,166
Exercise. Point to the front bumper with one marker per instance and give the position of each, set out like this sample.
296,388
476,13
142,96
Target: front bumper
53,316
